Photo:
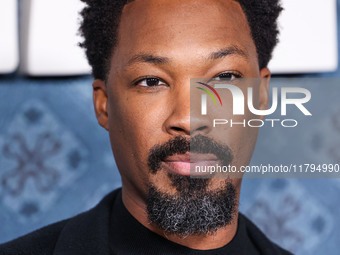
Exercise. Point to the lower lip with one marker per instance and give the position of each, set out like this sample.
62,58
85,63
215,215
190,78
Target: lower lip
183,168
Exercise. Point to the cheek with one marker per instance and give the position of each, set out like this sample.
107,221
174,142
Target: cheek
134,125
242,141
244,145
239,136
245,138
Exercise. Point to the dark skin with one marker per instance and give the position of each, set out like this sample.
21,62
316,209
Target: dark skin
173,41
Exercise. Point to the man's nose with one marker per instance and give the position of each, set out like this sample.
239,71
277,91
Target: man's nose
183,119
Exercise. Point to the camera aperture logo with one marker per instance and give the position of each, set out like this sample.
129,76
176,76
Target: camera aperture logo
213,90
238,105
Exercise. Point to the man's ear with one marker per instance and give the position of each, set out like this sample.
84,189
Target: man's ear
100,102
264,89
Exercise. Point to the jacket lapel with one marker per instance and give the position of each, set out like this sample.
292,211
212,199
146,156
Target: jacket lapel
87,233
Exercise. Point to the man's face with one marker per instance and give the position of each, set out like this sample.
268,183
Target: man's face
161,45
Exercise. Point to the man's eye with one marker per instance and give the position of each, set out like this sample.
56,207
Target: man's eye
227,77
150,82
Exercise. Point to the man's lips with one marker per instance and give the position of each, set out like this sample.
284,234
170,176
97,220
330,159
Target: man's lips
191,157
182,163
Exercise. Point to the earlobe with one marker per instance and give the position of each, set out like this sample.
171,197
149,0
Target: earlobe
264,89
100,102
265,73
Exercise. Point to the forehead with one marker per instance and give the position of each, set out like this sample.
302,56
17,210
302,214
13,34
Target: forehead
192,27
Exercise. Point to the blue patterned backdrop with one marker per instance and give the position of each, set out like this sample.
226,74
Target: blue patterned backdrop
55,161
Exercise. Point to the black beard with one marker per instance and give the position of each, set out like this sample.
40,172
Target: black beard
199,212
192,210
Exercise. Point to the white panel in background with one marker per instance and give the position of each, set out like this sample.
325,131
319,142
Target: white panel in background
9,47
49,38
308,40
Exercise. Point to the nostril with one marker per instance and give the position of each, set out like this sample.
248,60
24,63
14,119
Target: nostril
177,128
202,128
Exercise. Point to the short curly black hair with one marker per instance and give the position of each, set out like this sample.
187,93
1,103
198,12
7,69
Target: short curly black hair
100,21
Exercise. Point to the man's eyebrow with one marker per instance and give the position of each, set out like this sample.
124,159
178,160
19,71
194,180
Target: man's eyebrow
148,58
231,50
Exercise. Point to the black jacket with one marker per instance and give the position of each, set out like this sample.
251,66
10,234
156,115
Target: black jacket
88,233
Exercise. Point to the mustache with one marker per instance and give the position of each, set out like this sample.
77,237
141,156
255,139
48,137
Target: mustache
180,145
